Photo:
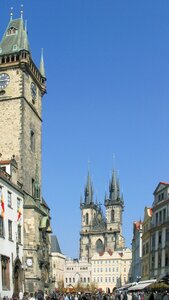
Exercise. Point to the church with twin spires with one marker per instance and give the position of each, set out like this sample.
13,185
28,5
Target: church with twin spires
99,232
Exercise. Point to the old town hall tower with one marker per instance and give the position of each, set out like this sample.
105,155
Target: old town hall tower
101,233
22,86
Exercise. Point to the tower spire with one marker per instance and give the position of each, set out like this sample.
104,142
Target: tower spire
113,187
88,191
42,66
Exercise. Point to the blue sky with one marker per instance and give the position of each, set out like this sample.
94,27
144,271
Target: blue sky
107,67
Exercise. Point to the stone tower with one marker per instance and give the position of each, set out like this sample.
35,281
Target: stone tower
99,233
22,86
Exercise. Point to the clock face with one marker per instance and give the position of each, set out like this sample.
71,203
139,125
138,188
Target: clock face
33,90
4,80
29,262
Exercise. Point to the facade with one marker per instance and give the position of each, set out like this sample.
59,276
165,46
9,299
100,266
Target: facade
77,272
159,252
22,86
101,233
111,269
136,250
146,244
58,263
11,230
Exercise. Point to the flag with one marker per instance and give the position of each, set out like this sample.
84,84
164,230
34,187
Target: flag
19,214
2,206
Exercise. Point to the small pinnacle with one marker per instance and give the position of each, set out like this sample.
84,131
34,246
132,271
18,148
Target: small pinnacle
11,13
21,11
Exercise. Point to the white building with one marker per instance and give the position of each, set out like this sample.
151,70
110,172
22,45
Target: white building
58,263
111,269
77,271
11,230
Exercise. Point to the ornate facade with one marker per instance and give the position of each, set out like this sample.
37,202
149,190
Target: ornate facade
101,233
22,86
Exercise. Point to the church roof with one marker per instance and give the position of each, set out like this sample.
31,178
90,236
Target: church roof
15,38
55,244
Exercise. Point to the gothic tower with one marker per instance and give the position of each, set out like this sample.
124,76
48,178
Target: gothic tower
114,208
99,233
22,86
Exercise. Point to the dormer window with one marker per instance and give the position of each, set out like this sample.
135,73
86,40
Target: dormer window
14,47
11,31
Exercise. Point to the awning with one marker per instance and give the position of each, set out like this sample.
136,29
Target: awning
139,286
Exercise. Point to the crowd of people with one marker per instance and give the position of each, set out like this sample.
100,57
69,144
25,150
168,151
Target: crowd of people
115,295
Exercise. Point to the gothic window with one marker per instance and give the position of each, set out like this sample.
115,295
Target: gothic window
10,230
19,234
112,215
32,140
99,246
5,272
87,218
1,227
33,186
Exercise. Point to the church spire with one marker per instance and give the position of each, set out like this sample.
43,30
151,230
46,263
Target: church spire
88,191
42,66
113,188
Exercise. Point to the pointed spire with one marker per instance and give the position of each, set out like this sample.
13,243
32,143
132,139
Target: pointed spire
113,187
42,66
88,191
24,39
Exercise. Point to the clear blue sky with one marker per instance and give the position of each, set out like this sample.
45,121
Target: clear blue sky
107,67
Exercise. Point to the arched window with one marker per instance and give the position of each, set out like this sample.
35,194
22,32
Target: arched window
99,246
11,30
112,215
87,218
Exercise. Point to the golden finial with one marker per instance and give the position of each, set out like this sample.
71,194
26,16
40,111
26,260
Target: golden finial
21,11
11,13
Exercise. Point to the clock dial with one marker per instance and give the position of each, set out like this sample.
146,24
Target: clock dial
4,80
29,262
33,90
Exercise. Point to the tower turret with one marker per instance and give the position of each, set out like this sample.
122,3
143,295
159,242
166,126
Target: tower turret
114,208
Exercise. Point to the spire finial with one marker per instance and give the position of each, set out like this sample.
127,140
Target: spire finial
21,11
42,67
11,14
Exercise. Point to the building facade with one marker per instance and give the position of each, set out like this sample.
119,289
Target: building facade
137,250
159,252
111,269
146,244
22,86
11,230
101,233
77,272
